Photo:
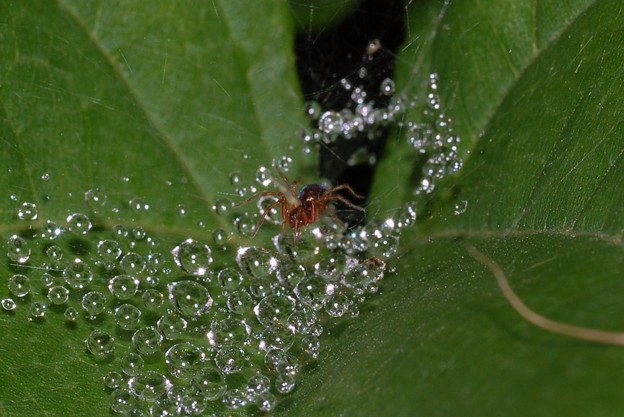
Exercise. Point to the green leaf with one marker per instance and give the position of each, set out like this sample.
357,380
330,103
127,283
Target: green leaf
162,100
159,101
536,92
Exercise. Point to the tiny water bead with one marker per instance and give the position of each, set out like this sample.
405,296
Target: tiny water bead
100,343
274,309
222,206
54,253
51,230
229,330
209,382
17,249
19,285
152,299
122,401
109,250
28,211
71,314
219,237
172,326
132,263
192,257
113,380
230,279
38,310
230,359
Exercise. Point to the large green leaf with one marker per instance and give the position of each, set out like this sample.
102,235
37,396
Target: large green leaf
535,91
162,100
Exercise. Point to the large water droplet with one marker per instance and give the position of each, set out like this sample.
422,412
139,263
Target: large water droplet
172,326
228,331
132,364
257,262
58,295
209,382
192,257
132,263
109,250
94,303
122,401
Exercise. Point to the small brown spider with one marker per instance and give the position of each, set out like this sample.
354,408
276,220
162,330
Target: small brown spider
303,208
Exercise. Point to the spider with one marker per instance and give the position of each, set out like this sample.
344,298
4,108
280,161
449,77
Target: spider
303,208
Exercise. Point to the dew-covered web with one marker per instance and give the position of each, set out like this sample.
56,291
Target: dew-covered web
225,321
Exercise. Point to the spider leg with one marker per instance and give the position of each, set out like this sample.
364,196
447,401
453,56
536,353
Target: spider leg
266,213
258,195
345,202
347,188
334,216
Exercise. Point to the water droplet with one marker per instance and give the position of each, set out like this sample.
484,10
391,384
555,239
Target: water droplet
27,211
55,253
284,163
274,309
132,364
78,223
234,399
172,326
112,379
108,250
127,316
276,336
184,359
95,199
51,230
281,362
230,279
190,298
266,401
311,346
147,340
58,295
138,205
284,383
18,249
120,231
330,122
122,401
239,302
152,299
337,304
38,310
149,385
94,303
192,257
235,178
8,304
311,292
209,382
71,314
230,359
229,330
387,87
219,237
290,274
461,207
19,285
181,210
138,233
123,287
100,343
222,206
78,274
257,262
